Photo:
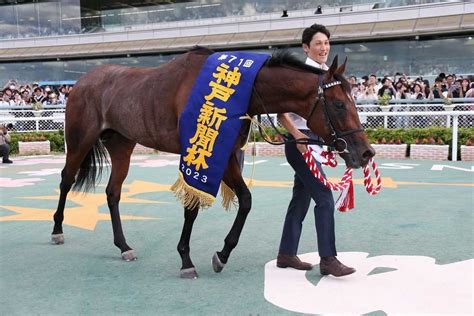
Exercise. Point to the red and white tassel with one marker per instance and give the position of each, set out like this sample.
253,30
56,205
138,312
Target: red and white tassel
345,202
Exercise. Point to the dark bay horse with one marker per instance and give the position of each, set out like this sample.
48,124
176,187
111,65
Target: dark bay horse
105,114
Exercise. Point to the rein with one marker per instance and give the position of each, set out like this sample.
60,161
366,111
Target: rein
304,141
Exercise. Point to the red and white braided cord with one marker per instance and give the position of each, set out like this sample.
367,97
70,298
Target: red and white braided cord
369,187
347,177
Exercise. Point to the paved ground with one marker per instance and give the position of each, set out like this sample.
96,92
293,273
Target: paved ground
411,244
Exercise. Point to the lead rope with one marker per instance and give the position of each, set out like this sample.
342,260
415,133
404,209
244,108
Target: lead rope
345,201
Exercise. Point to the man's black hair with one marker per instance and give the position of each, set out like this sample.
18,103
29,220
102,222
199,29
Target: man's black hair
309,32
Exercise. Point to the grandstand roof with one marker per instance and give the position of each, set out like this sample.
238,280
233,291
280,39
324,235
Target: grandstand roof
258,31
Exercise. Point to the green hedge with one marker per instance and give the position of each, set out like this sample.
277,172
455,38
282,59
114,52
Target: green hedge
405,135
410,135
56,140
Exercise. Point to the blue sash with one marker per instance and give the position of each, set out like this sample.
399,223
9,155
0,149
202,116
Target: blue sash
210,124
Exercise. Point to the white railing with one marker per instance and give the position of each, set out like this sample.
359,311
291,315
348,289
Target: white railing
31,121
54,119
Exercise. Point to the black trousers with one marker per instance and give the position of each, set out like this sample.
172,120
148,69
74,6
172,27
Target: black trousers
5,151
305,188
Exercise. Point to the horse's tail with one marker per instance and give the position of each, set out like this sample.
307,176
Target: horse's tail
90,170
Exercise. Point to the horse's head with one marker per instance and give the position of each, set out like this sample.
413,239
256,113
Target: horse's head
334,117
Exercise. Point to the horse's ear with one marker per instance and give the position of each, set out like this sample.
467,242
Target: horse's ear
333,68
342,67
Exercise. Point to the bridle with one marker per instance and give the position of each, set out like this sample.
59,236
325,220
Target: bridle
337,136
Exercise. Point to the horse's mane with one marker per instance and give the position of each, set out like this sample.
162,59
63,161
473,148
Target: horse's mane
201,50
288,58
282,57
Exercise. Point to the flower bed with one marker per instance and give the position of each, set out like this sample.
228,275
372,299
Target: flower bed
390,151
34,148
467,153
265,149
429,152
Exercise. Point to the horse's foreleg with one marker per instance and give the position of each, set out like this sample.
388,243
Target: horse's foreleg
233,179
120,150
188,271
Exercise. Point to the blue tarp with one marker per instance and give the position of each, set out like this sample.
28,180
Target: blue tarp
57,83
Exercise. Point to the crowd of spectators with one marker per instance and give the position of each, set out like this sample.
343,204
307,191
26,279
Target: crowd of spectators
367,88
33,95
445,86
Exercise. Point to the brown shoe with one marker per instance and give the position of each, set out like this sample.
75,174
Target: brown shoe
330,265
285,261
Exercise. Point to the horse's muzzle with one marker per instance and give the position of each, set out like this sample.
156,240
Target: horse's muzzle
357,158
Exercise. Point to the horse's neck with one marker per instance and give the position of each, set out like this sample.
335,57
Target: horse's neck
283,94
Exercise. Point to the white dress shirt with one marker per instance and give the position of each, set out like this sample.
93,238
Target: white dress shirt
298,121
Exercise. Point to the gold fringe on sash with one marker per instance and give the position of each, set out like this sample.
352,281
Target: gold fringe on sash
228,197
190,197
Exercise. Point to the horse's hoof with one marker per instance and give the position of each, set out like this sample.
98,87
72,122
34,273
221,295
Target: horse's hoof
189,273
217,265
57,239
129,255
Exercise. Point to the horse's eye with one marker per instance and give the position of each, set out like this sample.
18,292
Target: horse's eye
339,105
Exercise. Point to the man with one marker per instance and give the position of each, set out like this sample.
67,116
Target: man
316,45
4,144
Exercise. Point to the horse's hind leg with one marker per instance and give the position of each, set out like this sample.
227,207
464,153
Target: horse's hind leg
233,178
120,150
188,271
74,157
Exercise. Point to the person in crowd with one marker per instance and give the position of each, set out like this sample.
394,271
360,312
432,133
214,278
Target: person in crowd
403,92
17,100
450,86
387,88
426,88
373,83
4,144
367,93
315,42
8,92
25,95
456,89
352,80
38,96
63,94
437,91
52,98
465,83
365,80
5,101
417,92
470,92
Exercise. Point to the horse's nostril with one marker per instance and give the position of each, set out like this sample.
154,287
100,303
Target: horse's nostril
369,153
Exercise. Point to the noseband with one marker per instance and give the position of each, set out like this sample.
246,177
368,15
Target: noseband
337,136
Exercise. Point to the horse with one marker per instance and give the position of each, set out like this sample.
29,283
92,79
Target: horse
102,116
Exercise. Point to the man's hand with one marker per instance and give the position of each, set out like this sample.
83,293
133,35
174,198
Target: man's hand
288,124
301,147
